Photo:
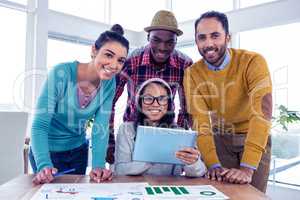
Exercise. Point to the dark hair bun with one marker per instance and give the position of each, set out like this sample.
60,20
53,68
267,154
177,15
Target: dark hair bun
114,34
117,28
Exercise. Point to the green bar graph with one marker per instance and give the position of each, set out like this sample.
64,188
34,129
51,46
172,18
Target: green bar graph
166,189
176,191
157,190
183,190
149,191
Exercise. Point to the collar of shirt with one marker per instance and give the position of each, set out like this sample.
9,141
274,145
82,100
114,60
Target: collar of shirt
83,98
146,58
222,66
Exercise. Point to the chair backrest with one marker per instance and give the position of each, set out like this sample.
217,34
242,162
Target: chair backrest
13,130
25,155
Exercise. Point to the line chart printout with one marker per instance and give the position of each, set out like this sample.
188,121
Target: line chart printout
86,191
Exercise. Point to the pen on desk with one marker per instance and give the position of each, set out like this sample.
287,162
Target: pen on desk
63,172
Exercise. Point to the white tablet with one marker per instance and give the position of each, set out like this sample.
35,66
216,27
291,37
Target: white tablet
159,145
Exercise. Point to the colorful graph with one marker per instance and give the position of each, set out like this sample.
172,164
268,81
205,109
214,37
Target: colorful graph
86,191
183,192
160,190
126,191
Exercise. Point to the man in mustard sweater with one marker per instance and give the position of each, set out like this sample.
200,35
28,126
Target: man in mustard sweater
229,95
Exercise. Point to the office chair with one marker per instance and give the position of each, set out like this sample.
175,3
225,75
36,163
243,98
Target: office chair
25,155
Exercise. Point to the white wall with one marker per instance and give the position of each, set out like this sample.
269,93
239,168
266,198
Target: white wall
13,128
261,16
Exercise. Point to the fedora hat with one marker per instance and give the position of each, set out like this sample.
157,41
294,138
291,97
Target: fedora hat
164,20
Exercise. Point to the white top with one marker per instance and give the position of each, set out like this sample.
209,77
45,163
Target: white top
124,165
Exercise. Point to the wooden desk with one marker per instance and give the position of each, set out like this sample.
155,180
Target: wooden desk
21,188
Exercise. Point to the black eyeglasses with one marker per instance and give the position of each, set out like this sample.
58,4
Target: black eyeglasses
161,100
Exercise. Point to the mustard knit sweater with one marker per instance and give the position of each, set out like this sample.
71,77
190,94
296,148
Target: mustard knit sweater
237,99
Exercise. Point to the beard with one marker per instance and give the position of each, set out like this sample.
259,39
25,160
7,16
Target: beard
215,58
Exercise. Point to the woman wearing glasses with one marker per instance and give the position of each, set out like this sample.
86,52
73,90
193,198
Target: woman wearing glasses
154,109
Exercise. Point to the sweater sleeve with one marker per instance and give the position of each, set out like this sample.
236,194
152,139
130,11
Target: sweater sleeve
260,93
197,169
100,130
198,108
124,149
44,112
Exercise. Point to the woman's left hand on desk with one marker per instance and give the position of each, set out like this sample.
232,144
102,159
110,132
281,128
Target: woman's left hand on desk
44,176
99,175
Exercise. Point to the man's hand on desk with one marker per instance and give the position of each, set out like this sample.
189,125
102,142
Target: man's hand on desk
233,175
98,175
44,176
215,173
240,176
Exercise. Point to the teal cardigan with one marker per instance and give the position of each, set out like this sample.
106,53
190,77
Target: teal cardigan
59,122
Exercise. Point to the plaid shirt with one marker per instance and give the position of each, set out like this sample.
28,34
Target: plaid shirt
138,68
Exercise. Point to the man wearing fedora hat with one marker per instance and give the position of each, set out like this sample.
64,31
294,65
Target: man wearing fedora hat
158,59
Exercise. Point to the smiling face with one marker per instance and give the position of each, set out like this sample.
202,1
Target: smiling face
154,102
162,44
109,59
211,40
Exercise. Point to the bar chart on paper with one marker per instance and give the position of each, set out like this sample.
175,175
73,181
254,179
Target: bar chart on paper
202,192
126,191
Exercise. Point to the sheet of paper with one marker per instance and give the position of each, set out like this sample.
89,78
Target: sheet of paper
86,191
126,191
201,192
